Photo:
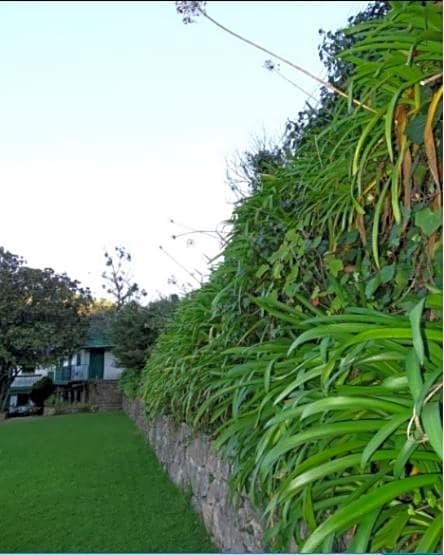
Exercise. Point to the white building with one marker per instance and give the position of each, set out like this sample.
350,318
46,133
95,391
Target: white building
94,362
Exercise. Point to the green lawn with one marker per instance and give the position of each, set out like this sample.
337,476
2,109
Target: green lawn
89,483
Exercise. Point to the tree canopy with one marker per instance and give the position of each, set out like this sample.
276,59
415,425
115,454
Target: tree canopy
118,281
43,317
136,328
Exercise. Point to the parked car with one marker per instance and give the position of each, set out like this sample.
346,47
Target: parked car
25,410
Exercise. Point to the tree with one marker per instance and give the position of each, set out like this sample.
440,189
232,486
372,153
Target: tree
41,390
101,316
136,328
118,280
245,169
43,317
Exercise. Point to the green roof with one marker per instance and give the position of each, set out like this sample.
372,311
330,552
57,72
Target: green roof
97,339
23,383
14,390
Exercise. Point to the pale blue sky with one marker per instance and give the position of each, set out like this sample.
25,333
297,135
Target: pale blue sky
115,117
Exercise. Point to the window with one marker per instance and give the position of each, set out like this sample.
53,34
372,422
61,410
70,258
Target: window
79,359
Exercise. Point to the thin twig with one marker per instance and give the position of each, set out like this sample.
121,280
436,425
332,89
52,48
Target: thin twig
294,84
180,265
431,79
415,418
432,392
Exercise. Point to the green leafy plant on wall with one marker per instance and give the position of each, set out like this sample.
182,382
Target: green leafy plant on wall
314,353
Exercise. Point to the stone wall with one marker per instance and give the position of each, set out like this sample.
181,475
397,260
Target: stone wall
193,464
104,394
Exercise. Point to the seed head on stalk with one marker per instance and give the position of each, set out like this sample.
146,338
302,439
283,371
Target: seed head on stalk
190,9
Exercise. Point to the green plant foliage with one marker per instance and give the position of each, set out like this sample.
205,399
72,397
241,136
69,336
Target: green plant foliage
129,383
41,390
314,353
338,407
42,318
134,329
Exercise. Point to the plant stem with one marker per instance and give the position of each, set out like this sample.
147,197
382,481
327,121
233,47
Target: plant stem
285,61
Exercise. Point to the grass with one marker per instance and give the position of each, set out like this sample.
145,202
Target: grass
89,483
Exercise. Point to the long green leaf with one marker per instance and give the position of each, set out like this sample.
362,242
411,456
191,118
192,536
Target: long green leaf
432,538
307,509
413,371
403,456
432,422
387,537
386,431
350,403
371,124
415,320
317,432
332,466
328,454
362,537
376,221
353,513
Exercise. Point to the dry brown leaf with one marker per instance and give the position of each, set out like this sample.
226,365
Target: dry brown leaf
407,179
361,228
429,141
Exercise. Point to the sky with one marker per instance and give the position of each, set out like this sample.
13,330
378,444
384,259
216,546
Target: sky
116,118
